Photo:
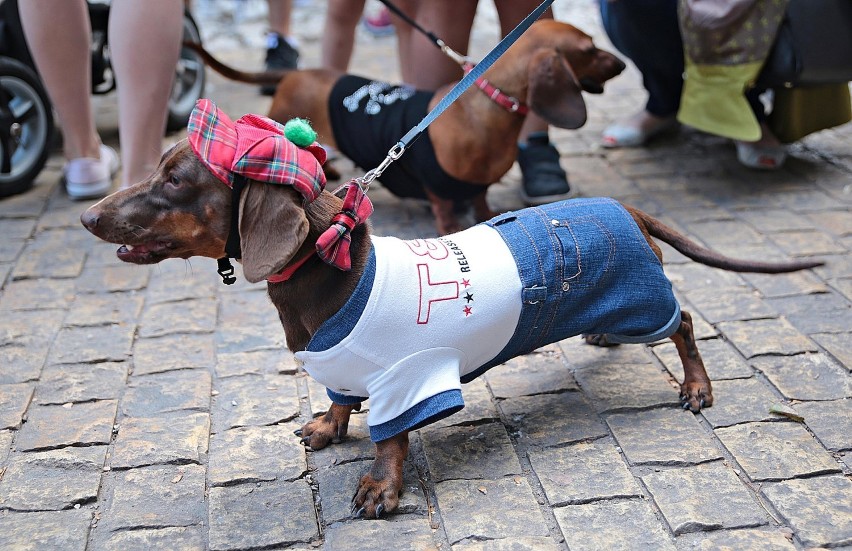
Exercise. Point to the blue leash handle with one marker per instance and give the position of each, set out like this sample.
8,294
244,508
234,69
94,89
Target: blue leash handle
461,86
471,77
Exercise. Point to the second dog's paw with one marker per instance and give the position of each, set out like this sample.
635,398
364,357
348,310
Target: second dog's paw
375,498
598,340
696,395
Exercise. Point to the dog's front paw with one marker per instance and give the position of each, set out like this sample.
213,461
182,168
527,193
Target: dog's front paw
695,395
321,432
598,340
376,497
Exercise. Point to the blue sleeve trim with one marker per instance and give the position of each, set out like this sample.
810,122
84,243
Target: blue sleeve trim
428,411
665,331
343,399
343,322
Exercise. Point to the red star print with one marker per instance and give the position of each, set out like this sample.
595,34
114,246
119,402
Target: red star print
465,282
467,311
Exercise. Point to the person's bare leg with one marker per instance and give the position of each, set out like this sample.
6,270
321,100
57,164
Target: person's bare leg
59,37
279,16
145,42
338,37
423,65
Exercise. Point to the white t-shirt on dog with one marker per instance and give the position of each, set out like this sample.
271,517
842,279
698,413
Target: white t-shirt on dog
438,310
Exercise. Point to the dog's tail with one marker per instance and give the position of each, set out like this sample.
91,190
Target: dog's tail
711,258
260,77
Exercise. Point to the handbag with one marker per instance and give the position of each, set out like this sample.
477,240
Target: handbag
813,45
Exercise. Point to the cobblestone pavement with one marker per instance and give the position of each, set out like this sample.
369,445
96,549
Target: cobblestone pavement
154,408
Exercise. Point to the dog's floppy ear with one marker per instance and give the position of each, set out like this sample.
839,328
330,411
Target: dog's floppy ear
273,226
554,92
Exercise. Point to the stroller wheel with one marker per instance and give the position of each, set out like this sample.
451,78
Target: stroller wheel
26,127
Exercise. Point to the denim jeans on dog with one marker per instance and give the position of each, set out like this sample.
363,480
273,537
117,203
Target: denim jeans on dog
549,273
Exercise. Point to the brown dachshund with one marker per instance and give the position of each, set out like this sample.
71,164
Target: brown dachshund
474,142
183,210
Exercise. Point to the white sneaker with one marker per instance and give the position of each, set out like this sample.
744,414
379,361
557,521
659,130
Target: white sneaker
88,178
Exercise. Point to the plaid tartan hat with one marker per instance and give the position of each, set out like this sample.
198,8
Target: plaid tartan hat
254,147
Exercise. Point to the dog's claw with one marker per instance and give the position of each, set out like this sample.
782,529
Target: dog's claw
701,404
359,513
298,432
685,405
379,510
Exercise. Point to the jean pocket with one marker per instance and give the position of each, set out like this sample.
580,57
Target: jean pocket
587,247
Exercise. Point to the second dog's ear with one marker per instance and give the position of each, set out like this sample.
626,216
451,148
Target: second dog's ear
273,226
554,93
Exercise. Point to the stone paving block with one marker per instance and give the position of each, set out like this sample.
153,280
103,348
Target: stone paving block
580,355
57,426
253,400
25,338
9,251
14,400
356,445
112,279
172,282
696,277
65,530
720,360
730,304
786,285
765,539
740,401
405,533
249,322
173,352
261,515
81,383
479,509
338,484
175,438
92,344
806,376
614,526
831,422
731,506
189,538
114,308
770,336
775,451
187,316
821,313
478,406
837,222
509,544
186,389
259,362
619,387
818,509
808,243
839,345
660,437
158,496
37,294
256,454
6,437
53,254
52,480
552,419
480,451
768,220
541,371
319,400
583,472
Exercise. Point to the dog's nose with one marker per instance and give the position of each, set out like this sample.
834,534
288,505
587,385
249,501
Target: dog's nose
90,219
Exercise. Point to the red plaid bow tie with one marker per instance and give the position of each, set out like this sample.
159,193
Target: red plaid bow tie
255,147
333,244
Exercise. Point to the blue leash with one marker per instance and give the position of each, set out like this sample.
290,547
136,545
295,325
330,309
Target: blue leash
397,150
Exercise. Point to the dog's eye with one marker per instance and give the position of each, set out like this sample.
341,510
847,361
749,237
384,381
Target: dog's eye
174,180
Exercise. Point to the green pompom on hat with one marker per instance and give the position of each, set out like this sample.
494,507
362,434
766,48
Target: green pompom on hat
299,132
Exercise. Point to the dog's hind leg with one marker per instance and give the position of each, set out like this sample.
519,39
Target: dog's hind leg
378,490
695,392
330,428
